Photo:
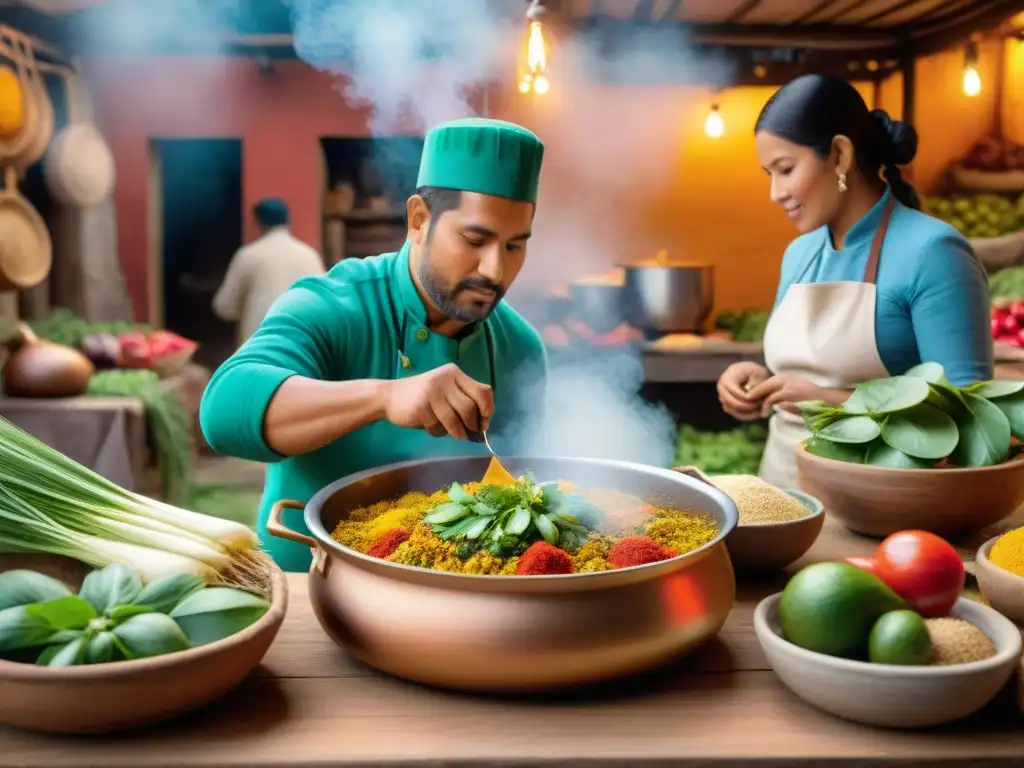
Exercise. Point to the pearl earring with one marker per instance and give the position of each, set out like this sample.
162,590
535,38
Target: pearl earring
842,182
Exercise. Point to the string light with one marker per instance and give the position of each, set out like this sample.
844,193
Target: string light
534,77
714,125
972,79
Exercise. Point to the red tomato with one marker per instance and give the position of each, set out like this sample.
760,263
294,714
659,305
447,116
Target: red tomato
997,328
866,564
1019,338
923,569
1010,324
1017,309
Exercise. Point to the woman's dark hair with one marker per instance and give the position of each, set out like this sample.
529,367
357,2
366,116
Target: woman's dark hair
813,109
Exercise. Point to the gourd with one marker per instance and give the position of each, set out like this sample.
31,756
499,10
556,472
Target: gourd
12,104
39,368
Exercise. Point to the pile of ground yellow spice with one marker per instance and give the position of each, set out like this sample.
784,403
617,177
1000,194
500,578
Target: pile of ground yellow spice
1008,552
759,502
673,528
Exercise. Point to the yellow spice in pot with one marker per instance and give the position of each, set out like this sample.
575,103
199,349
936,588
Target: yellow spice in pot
955,641
760,502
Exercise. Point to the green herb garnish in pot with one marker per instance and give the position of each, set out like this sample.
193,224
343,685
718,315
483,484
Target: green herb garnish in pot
504,520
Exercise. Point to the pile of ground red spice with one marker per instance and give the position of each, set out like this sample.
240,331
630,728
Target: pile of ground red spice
638,550
388,543
543,559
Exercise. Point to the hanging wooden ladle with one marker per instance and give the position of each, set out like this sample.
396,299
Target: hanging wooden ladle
13,148
26,250
36,146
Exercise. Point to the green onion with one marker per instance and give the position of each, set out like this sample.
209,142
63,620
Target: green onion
50,503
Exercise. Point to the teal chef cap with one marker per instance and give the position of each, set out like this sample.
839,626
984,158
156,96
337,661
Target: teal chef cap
476,154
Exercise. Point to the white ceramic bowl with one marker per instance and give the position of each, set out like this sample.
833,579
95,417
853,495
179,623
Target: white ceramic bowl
889,695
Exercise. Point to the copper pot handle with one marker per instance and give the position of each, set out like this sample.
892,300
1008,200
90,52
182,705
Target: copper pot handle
275,527
695,473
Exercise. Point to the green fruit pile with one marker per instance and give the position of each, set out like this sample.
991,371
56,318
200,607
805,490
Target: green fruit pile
840,610
982,215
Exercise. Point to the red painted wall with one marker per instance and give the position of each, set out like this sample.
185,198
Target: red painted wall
280,118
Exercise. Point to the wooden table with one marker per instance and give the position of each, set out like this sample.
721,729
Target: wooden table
310,705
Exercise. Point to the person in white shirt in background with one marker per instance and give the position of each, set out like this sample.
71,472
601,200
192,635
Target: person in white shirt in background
260,272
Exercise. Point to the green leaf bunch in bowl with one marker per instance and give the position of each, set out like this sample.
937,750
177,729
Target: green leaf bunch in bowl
114,617
920,421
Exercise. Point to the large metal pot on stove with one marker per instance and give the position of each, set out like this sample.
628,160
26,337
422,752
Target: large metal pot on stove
515,633
666,297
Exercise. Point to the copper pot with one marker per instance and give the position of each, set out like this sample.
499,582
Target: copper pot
514,633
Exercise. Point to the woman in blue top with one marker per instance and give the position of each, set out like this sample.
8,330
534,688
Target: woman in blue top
871,287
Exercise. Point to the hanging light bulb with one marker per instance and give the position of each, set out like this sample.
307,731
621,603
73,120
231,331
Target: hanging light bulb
714,125
534,77
972,79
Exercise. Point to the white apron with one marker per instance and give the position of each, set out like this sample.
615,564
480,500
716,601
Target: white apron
825,333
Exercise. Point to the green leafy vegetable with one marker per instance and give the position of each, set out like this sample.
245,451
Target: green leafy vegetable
855,430
21,628
882,455
67,655
923,431
100,649
922,420
985,438
216,612
882,396
826,449
110,587
64,612
163,594
22,587
149,634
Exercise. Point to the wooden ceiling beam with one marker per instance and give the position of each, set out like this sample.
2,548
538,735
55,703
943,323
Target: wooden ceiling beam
950,31
742,11
886,12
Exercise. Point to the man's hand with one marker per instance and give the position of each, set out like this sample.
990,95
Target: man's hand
444,401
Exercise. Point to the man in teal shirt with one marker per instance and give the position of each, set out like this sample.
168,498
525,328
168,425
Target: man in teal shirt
402,356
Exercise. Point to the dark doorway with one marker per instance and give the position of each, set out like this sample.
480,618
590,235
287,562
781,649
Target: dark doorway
201,214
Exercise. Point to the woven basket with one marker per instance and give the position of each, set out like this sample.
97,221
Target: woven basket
26,250
171,365
16,146
36,91
79,168
987,181
999,252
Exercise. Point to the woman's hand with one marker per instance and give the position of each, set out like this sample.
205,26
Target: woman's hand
784,390
732,390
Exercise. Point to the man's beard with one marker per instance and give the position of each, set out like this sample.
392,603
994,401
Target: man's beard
446,299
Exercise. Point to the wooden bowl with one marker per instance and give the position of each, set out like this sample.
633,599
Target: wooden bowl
891,695
103,698
878,501
770,546
1003,590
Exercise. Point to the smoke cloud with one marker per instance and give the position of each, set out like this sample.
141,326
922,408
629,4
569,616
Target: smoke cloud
419,63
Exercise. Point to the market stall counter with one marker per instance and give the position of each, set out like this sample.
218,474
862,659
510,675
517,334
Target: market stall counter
311,705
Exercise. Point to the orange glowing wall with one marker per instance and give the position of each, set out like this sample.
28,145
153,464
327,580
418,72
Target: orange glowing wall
628,168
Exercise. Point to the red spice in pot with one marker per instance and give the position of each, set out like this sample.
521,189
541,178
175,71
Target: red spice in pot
388,543
543,559
638,550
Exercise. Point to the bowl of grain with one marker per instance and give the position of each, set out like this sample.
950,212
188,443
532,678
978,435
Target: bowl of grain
776,527
999,567
974,653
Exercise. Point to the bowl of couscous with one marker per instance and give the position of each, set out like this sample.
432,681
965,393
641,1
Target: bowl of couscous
776,527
